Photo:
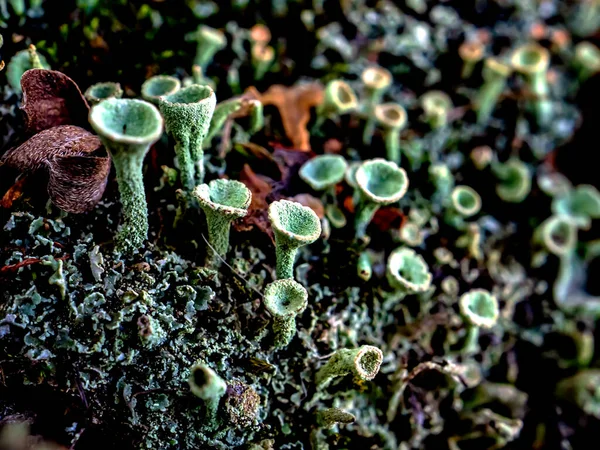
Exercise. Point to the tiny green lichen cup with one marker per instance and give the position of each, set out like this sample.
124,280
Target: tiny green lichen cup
376,80
586,60
263,57
187,114
294,226
515,180
407,271
557,235
102,91
208,42
532,61
582,390
470,53
392,118
379,182
158,86
210,387
338,98
436,108
323,171
495,74
285,299
464,202
128,128
222,201
362,362
581,204
479,309
443,180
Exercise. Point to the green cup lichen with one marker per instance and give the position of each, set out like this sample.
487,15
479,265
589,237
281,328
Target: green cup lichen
495,73
128,128
262,60
515,180
443,180
330,417
532,61
236,107
338,98
586,60
582,390
376,81
471,53
479,309
187,114
222,201
557,235
323,171
364,267
158,86
581,204
294,226
407,271
464,202
101,91
436,108
208,42
20,63
362,362
210,387
285,299
379,182
392,118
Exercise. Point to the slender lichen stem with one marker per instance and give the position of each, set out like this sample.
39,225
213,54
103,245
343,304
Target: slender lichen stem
218,235
285,256
392,145
185,160
364,214
284,330
134,229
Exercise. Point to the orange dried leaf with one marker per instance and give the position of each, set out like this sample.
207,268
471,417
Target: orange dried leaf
13,194
294,105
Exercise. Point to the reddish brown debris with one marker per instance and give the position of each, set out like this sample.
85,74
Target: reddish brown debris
294,105
78,169
50,98
261,187
13,194
387,218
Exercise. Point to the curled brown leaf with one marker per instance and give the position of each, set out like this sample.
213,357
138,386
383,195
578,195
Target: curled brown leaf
78,169
51,98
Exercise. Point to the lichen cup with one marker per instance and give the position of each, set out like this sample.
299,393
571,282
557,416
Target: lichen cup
479,309
102,91
408,272
392,118
464,202
436,107
557,235
338,98
294,226
581,204
363,362
323,171
285,299
532,61
222,201
210,387
515,180
187,114
127,129
158,86
379,182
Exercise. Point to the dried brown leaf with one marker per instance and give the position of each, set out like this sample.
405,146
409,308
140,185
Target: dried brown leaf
13,194
50,98
261,187
78,169
294,105
387,218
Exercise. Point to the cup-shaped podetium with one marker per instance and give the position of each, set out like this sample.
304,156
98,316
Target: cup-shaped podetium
581,204
101,91
464,202
471,52
285,299
222,201
363,362
376,80
379,182
210,387
532,61
392,118
407,271
586,60
294,226
187,114
479,309
582,390
128,128
495,73
158,86
262,60
208,42
338,98
324,171
515,180
436,108
557,235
